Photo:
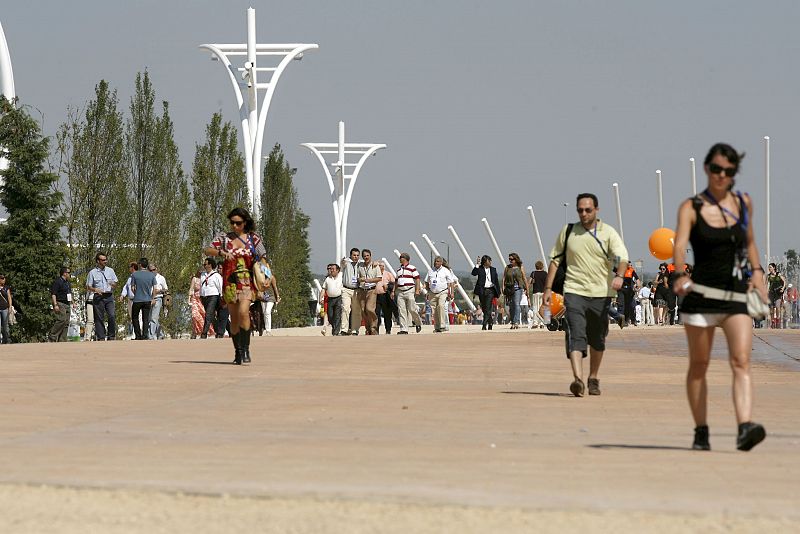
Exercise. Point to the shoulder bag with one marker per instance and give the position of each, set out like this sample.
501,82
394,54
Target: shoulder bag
561,272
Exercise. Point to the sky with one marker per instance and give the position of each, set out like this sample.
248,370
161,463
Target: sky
486,107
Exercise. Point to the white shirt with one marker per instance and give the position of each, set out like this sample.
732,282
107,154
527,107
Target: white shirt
438,279
488,282
333,285
210,285
644,293
161,285
127,291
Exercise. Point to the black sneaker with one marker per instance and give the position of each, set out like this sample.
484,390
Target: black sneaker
750,435
402,332
701,439
419,328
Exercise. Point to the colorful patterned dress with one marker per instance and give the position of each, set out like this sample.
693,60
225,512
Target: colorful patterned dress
236,277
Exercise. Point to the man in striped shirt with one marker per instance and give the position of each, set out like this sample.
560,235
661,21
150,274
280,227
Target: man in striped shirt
406,288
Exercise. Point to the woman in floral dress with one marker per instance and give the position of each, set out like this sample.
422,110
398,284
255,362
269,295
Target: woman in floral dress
239,249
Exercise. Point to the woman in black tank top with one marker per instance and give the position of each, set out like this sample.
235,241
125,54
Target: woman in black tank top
718,223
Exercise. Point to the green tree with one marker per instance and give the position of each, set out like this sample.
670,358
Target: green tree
92,164
284,228
31,246
792,265
219,183
158,193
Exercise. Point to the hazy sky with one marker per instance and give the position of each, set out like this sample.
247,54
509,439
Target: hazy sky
487,107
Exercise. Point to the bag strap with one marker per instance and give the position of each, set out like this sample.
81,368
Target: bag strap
566,238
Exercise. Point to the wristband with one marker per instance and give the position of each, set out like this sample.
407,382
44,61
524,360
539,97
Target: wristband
759,268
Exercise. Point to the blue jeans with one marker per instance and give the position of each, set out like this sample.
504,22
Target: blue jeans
155,316
514,309
4,324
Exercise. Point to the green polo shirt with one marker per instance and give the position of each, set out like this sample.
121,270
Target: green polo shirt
589,270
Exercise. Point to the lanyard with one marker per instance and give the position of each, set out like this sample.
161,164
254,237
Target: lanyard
725,210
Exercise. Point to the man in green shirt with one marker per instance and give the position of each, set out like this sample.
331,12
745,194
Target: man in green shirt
592,249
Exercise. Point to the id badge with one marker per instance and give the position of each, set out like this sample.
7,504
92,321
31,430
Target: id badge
354,280
69,297
433,282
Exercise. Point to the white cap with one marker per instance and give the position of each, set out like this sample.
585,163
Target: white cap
790,285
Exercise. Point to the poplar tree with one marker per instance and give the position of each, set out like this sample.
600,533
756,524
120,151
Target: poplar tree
92,164
284,227
31,247
219,183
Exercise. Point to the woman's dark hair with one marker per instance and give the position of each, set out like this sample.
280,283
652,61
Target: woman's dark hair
773,265
484,259
249,223
516,258
727,152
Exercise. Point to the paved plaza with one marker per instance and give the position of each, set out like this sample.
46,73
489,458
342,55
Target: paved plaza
458,432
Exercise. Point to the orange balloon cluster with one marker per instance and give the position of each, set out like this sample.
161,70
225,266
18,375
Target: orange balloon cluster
662,243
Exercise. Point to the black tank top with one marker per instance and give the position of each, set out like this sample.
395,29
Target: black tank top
716,252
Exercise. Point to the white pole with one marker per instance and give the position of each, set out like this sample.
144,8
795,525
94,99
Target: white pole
500,257
615,186
461,247
419,255
766,183
396,253
694,177
536,232
660,201
389,266
340,185
6,81
460,289
252,94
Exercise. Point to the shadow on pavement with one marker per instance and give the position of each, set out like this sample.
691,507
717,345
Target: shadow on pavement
542,393
640,447
201,362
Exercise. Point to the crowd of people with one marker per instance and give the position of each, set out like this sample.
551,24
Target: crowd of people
589,267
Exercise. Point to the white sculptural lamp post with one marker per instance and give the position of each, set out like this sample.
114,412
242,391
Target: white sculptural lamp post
459,288
343,179
6,80
254,117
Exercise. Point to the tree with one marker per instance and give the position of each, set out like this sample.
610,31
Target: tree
219,183
158,192
792,265
92,164
31,246
284,228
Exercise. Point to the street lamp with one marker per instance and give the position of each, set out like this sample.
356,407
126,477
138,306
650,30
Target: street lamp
6,81
565,211
343,180
245,77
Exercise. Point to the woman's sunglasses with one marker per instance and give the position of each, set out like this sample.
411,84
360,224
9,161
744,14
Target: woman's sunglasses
730,172
237,223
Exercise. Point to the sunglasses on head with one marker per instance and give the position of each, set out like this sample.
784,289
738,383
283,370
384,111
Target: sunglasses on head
730,172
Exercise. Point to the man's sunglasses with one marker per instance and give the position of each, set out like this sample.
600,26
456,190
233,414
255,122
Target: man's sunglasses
585,210
730,172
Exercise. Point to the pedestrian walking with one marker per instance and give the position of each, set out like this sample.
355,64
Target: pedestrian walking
61,301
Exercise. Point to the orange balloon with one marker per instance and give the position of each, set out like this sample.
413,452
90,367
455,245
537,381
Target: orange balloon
662,243
556,304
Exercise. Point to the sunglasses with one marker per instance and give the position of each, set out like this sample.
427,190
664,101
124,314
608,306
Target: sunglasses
730,172
585,210
237,223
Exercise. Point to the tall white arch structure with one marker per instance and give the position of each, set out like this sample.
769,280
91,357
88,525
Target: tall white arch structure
6,80
246,77
341,188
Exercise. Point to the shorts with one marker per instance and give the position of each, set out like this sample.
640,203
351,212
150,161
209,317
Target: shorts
586,323
704,320
661,303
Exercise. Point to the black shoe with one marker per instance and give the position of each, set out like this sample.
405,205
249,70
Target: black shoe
388,331
701,439
419,328
237,358
353,333
244,340
576,388
621,322
750,435
402,332
343,333
203,336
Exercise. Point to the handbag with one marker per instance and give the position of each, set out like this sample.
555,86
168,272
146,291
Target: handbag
561,272
260,269
12,316
756,308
